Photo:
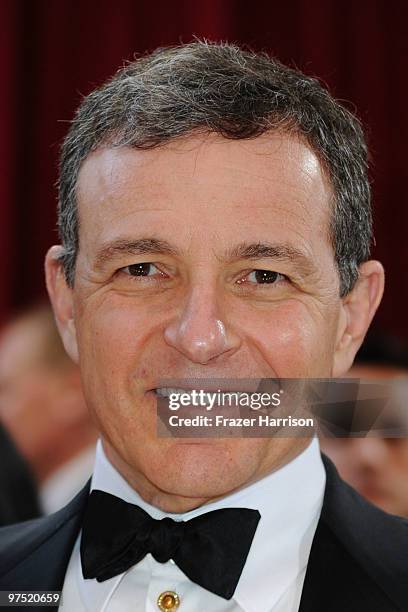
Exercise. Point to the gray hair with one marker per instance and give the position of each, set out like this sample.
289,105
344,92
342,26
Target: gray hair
239,94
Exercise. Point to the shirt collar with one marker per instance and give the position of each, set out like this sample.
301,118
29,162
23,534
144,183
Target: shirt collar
289,501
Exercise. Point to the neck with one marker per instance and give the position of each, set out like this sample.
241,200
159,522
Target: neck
178,504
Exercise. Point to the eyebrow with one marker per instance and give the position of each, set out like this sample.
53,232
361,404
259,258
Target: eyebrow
242,251
274,251
141,246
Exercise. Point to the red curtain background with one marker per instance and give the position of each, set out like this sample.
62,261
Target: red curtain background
54,51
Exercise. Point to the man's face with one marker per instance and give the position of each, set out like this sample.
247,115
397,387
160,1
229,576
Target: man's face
171,240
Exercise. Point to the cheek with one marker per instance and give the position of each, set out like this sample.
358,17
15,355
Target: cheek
112,342
293,339
399,455
115,331
112,339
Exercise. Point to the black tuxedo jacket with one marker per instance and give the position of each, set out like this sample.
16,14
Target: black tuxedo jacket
18,492
358,561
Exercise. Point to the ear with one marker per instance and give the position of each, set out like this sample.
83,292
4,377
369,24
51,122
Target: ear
357,311
61,297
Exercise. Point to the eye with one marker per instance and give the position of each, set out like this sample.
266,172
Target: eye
262,277
142,269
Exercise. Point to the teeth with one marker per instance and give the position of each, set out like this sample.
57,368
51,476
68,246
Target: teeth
167,391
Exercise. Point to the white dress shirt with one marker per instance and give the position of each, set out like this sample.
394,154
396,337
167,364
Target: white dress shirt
289,501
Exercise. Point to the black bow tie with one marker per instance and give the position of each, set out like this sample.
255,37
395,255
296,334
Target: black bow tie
210,549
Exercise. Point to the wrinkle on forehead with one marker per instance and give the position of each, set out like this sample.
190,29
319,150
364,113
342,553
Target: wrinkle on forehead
111,162
196,182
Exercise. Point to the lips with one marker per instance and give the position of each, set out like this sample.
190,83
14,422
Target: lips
165,386
166,392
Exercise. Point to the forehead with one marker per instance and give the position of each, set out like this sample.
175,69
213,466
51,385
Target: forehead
272,184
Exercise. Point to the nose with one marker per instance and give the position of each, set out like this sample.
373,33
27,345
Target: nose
199,331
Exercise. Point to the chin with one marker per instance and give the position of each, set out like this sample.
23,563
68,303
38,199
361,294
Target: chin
205,469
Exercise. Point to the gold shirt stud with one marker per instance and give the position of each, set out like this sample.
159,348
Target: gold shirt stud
168,601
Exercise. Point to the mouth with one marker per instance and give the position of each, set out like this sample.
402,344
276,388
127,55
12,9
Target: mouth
166,386
168,391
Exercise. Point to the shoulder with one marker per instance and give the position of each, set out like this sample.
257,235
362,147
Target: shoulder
26,549
18,500
361,525
373,542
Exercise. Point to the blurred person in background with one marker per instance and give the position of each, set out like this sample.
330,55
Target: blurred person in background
42,406
18,492
377,467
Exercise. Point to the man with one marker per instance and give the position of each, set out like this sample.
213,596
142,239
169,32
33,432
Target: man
18,493
376,466
215,223
43,408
